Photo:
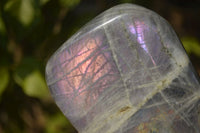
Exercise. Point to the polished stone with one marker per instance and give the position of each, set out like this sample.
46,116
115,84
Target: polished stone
125,72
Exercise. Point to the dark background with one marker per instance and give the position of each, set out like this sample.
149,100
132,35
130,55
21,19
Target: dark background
31,30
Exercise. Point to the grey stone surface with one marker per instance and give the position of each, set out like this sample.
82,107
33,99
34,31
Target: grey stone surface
125,72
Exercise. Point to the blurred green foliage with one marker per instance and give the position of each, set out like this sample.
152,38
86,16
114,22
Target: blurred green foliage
4,79
22,10
30,31
192,45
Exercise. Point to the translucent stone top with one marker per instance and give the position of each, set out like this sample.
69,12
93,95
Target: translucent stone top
125,72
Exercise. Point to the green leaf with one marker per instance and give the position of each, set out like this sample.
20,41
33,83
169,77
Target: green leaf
43,2
23,10
4,79
191,45
29,77
34,85
69,3
58,123
27,66
2,26
26,12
